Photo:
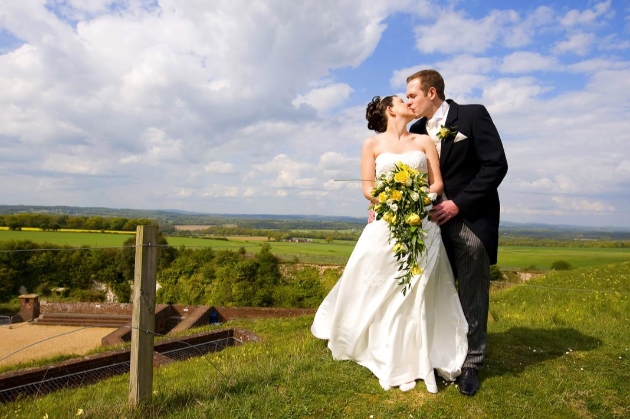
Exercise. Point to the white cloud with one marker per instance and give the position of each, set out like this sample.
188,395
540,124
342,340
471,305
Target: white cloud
219,167
579,44
582,205
508,95
325,98
585,17
527,61
454,33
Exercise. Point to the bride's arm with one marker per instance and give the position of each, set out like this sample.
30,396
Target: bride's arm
368,169
433,163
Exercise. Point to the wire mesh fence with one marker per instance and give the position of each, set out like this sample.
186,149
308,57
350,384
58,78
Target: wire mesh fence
81,375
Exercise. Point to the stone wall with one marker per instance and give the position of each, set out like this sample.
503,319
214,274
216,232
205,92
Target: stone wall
86,308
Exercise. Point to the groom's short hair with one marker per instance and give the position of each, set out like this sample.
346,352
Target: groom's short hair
428,79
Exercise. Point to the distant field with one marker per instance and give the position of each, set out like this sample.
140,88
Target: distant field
318,251
68,237
513,257
335,253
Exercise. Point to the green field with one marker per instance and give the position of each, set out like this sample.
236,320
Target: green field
336,252
72,238
519,257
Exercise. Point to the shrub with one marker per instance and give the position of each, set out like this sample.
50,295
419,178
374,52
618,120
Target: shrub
495,273
88,296
561,265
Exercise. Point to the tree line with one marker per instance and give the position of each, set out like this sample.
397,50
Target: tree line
55,222
186,276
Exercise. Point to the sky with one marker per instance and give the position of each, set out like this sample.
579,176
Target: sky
258,106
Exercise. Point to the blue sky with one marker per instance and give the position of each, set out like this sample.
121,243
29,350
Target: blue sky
235,106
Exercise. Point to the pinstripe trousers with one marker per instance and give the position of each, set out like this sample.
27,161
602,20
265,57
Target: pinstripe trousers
472,269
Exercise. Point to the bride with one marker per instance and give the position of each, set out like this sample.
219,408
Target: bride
365,317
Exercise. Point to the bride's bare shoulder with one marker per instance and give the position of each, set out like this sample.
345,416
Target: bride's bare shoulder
372,141
422,140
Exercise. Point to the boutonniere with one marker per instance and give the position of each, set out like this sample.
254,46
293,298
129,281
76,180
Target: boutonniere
445,132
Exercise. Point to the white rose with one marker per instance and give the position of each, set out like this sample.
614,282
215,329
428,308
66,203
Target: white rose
432,196
394,207
415,196
389,176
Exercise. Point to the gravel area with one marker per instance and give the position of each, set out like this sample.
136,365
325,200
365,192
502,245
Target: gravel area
47,341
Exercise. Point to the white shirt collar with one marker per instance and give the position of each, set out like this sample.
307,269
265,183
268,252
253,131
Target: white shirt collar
439,116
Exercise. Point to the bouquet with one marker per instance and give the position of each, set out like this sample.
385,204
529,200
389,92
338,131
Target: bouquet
402,202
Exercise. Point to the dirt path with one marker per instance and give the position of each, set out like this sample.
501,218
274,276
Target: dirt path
21,335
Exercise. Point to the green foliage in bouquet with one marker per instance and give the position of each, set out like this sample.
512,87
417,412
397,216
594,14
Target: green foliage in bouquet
402,202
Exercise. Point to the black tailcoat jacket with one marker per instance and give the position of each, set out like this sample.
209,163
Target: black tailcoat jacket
472,170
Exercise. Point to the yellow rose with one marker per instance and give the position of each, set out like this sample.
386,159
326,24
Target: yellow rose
416,270
444,132
395,195
373,192
412,171
426,201
382,197
388,216
401,177
413,219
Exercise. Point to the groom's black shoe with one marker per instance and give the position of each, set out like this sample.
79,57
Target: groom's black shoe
469,382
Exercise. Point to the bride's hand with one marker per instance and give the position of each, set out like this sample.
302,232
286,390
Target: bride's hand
371,216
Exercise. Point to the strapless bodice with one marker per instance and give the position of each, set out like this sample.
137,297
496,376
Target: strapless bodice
385,162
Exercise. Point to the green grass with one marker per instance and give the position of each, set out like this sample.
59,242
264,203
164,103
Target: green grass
559,347
335,253
67,238
519,257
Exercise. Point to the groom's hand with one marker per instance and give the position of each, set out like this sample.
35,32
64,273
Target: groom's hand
444,212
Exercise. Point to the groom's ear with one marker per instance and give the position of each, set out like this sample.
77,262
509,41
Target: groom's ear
432,93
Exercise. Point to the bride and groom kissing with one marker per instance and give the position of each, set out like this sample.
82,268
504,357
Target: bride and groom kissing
437,328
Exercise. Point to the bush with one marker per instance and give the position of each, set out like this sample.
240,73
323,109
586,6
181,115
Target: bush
561,265
495,273
88,296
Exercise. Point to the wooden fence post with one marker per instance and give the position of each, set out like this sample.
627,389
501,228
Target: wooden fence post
143,318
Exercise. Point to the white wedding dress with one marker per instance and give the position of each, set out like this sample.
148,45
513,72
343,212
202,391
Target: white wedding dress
367,319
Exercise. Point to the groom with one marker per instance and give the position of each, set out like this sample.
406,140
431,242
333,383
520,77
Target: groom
473,164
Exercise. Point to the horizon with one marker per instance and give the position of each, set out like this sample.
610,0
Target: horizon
164,103
503,223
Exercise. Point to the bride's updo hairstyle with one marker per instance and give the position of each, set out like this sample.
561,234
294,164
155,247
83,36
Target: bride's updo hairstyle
376,113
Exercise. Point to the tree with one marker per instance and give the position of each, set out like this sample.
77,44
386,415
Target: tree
95,223
329,239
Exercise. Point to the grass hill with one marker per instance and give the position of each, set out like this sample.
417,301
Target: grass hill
558,347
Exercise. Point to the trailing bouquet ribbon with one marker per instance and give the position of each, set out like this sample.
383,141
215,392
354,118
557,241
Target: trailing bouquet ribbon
402,202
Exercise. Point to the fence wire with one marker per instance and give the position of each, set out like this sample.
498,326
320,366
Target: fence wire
90,376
